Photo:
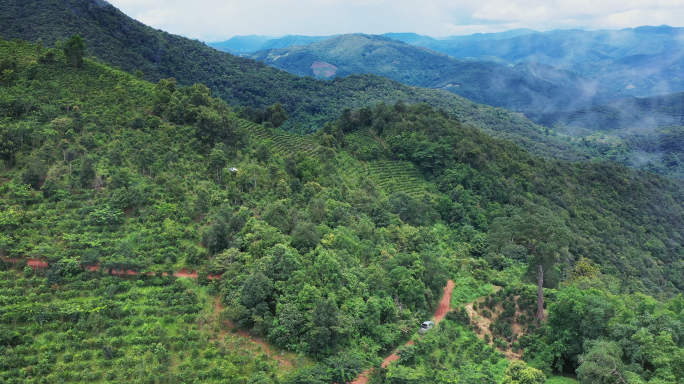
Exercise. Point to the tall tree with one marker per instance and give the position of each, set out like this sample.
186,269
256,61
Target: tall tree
275,114
542,233
218,160
74,50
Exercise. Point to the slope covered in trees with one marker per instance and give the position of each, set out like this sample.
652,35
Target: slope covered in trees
641,133
103,168
644,113
482,82
120,41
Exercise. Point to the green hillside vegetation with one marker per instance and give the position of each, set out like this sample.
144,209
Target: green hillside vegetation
102,169
641,133
120,41
483,178
656,150
649,112
92,328
482,82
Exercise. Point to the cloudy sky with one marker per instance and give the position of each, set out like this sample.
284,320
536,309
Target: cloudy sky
216,20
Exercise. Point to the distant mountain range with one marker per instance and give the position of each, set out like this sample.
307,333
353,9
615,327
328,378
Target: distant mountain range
523,87
642,62
121,41
239,45
253,43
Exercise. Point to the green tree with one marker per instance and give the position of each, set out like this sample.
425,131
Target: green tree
602,364
74,49
542,233
256,289
276,115
218,160
277,215
519,373
87,173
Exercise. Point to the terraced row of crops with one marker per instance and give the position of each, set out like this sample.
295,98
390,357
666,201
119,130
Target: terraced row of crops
351,167
283,142
399,176
392,176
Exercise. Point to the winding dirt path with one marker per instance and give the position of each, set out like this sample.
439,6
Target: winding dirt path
247,335
440,313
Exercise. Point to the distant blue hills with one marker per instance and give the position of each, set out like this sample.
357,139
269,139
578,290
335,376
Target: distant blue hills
556,69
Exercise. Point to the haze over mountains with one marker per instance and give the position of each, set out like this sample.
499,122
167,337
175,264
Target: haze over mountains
644,61
516,88
253,43
537,72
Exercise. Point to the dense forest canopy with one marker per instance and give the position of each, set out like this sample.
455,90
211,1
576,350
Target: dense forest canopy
333,246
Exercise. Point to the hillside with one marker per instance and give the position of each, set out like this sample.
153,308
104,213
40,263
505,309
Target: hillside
638,62
241,44
116,39
493,84
253,43
641,113
643,133
104,172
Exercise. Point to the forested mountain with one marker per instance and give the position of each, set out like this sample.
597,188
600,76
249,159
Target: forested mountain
639,62
644,133
491,36
643,61
253,43
116,39
333,246
290,40
648,112
408,37
482,82
241,44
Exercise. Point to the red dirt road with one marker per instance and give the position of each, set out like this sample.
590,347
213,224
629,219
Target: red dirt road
440,313
445,304
33,263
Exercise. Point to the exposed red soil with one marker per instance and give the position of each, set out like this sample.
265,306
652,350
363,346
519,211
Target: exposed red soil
443,308
482,325
33,263
445,304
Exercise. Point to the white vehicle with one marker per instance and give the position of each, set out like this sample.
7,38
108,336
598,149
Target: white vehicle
426,326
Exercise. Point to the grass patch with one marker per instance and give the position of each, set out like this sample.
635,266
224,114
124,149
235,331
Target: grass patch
556,379
467,289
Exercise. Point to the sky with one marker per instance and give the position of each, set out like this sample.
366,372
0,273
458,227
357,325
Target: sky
217,20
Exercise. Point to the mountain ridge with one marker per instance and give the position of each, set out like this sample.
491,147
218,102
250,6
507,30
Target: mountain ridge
121,41
487,83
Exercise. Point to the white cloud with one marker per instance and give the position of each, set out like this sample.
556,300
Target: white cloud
213,20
